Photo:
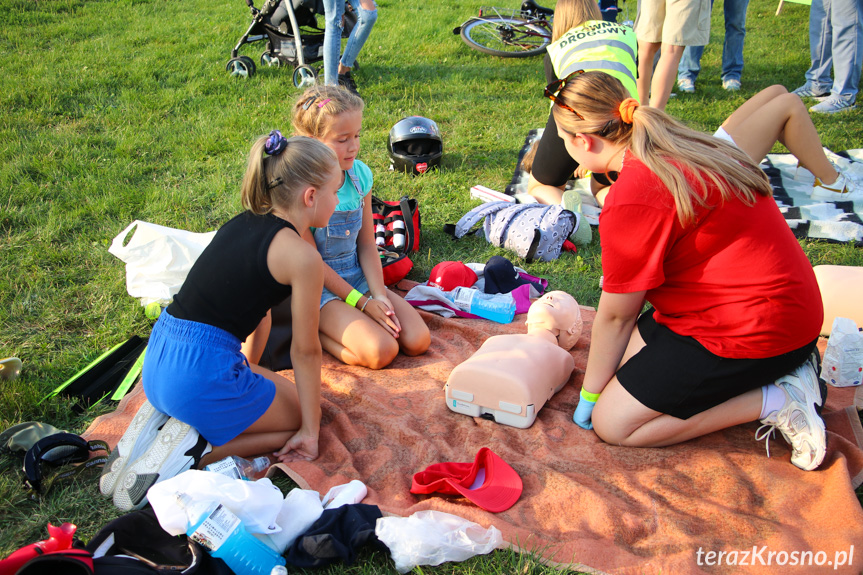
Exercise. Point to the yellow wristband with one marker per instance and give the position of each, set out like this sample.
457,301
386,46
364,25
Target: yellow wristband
353,298
587,396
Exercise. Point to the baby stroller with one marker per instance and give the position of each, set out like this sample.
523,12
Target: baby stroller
290,28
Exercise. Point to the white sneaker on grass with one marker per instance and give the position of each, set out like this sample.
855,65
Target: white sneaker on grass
835,103
812,90
731,84
686,85
798,420
177,448
138,437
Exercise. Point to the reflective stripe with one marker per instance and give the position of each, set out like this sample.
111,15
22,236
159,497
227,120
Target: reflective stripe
609,44
598,65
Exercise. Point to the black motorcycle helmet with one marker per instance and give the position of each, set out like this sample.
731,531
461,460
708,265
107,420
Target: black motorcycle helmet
414,145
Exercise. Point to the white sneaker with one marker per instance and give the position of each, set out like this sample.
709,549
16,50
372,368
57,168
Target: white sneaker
138,437
686,85
797,420
843,189
731,84
835,103
177,448
812,90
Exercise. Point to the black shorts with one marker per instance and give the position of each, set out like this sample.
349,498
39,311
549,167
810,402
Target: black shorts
676,375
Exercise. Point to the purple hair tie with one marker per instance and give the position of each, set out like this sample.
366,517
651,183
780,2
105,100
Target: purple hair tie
276,143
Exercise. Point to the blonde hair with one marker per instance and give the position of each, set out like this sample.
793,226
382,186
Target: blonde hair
569,14
278,181
319,105
529,157
668,148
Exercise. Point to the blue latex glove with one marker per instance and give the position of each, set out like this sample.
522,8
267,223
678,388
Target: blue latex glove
582,414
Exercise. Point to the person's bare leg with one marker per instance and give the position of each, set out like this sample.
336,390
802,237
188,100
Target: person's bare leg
646,53
664,75
782,118
414,337
253,347
354,338
270,432
544,194
620,419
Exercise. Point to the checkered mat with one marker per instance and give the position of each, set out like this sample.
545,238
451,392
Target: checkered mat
840,222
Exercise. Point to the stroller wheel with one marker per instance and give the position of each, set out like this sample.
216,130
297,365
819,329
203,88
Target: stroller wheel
269,60
304,77
242,67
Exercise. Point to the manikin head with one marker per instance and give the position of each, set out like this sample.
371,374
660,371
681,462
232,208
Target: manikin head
558,313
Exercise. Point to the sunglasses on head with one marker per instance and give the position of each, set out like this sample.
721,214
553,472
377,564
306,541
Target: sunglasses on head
553,89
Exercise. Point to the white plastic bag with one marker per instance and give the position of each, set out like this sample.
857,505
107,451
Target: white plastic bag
256,503
843,359
158,259
434,537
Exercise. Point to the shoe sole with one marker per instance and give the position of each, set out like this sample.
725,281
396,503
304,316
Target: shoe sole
845,109
140,434
147,470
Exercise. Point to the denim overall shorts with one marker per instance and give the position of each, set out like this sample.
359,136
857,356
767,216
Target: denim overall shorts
337,244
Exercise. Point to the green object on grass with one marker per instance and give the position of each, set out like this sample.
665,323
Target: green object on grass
130,378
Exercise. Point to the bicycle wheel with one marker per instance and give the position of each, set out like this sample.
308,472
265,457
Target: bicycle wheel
505,37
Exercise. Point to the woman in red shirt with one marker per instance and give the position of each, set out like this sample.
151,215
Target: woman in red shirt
691,227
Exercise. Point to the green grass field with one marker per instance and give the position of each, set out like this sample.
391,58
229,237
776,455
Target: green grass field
116,110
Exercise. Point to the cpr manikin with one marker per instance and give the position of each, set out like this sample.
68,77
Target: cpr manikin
510,377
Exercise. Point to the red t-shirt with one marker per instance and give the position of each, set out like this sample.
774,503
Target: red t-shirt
736,280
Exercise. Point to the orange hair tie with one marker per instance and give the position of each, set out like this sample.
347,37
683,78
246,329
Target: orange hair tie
627,109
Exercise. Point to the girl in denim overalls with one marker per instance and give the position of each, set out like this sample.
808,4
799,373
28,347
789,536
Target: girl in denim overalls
362,323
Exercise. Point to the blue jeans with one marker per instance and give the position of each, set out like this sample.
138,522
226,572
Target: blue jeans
836,41
732,47
334,10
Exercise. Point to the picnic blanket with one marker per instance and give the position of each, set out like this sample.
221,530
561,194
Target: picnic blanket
596,507
840,222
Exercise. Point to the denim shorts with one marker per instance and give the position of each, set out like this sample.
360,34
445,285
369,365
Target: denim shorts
196,373
348,268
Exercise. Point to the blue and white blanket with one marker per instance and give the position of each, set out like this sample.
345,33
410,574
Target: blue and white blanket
840,222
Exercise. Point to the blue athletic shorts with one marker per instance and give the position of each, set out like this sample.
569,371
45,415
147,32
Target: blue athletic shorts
196,373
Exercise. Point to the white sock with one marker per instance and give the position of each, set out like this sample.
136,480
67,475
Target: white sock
772,399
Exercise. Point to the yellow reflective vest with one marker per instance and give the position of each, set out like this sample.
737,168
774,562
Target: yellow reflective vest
597,45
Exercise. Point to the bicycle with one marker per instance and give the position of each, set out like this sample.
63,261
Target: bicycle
509,33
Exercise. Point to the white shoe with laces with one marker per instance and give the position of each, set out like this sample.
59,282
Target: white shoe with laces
844,189
798,420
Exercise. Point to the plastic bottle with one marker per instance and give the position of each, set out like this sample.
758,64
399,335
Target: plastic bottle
239,468
499,307
224,536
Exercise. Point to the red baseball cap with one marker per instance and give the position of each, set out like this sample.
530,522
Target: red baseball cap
450,275
489,481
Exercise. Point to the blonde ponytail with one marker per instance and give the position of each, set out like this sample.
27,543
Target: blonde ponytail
668,148
278,180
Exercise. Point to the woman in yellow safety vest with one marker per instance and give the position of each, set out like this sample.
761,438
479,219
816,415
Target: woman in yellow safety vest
581,40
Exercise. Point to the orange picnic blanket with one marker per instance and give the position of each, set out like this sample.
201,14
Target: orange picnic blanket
591,506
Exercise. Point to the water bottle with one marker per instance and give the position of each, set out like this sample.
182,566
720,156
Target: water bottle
224,536
239,468
499,307
399,234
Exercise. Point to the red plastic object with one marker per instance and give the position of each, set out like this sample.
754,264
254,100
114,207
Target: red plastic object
59,538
